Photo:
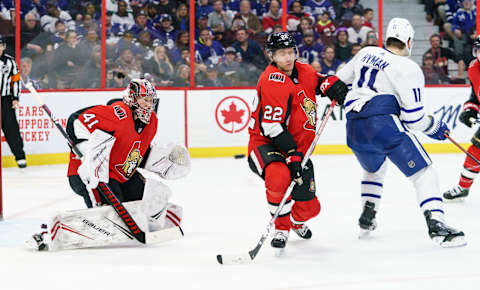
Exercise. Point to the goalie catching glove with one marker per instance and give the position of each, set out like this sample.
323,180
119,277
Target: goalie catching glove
170,161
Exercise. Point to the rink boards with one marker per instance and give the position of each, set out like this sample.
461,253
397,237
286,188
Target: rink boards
212,123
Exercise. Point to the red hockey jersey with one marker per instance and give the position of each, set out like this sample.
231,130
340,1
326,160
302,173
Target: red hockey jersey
289,101
130,146
474,77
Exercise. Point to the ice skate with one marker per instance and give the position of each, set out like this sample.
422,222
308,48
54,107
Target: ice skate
37,241
279,241
442,234
455,194
367,221
303,232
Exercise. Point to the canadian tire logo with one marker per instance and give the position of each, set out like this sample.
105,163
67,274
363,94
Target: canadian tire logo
232,114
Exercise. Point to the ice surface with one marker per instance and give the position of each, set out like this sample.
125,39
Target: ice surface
225,211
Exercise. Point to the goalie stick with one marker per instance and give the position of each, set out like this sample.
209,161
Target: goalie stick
103,188
250,255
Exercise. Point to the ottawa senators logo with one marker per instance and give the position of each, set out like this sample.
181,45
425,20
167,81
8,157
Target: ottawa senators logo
133,160
310,110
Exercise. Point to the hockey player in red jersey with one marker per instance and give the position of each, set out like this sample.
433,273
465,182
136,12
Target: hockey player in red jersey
469,116
282,127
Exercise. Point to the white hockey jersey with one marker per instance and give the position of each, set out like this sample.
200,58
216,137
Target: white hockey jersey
378,73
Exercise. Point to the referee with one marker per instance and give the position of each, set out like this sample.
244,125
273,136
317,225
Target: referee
9,93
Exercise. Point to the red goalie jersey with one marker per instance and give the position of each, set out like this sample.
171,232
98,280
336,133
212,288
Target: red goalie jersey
285,103
131,143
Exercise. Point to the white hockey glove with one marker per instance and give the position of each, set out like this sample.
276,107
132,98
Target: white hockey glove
171,161
95,160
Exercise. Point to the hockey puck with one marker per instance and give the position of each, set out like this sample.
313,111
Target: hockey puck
239,156
219,259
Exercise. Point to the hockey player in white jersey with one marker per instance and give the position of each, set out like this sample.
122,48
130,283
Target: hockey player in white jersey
385,103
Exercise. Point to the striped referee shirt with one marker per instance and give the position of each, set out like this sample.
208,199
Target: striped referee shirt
9,77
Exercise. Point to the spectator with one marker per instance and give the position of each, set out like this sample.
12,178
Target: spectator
182,42
250,51
260,8
463,27
357,33
167,7
60,34
230,35
433,74
296,13
182,76
317,66
54,14
167,33
180,21
273,17
343,48
129,64
207,50
371,39
152,14
441,55
330,64
161,68
25,70
92,71
30,43
119,80
347,10
90,40
212,78
220,20
70,57
317,7
122,17
310,50
202,23
91,10
306,23
326,28
184,57
204,8
232,6
355,49
85,25
451,7
277,28
141,25
368,18
232,71
145,47
249,18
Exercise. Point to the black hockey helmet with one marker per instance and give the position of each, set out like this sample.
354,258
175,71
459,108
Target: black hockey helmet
279,40
476,45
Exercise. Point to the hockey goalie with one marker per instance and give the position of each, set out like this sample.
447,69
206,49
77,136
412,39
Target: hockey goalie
119,149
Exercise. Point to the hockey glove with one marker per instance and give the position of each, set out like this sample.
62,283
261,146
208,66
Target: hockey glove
333,88
470,111
294,163
437,129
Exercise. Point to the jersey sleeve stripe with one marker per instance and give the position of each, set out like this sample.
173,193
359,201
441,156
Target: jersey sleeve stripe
414,121
411,110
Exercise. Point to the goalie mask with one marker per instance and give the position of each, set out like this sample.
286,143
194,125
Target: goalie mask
141,97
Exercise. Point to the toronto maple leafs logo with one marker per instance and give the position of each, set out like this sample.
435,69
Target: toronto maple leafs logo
232,114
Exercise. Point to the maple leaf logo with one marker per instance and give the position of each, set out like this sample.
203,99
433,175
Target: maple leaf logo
232,115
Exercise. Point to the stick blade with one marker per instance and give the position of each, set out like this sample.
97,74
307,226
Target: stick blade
234,259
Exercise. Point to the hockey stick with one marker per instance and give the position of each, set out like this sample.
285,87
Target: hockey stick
461,148
250,255
103,188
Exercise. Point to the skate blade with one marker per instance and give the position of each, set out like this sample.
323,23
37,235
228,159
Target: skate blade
363,234
454,200
279,252
454,243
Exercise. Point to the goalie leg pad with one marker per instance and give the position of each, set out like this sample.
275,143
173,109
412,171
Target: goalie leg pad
95,227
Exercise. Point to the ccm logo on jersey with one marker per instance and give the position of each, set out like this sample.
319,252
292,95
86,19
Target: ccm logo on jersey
131,163
120,112
276,77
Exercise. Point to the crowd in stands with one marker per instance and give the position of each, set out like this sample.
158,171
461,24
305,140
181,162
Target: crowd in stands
61,40
456,20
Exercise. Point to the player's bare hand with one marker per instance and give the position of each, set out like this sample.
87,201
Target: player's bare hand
15,104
